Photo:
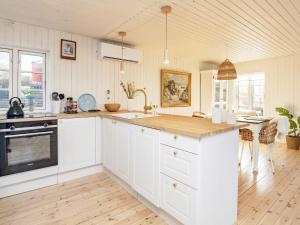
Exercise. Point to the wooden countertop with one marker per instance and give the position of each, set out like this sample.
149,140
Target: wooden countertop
182,125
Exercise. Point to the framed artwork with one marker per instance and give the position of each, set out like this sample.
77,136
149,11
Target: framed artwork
68,49
175,88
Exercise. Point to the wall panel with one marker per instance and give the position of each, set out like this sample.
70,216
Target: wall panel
87,74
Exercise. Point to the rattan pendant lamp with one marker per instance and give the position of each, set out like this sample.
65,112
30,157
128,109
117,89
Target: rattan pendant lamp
226,71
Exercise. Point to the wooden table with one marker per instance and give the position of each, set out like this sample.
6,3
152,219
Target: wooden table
255,126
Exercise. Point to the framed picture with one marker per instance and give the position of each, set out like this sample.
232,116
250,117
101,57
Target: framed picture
68,49
175,88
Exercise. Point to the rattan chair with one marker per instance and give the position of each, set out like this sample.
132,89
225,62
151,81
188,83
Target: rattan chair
246,136
267,136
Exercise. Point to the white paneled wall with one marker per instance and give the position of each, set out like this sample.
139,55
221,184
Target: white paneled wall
87,74
282,81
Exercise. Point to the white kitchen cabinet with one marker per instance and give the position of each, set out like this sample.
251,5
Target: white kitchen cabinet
179,200
145,162
122,152
98,140
76,143
108,143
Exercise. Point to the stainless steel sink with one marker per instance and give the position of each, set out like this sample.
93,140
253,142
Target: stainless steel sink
134,115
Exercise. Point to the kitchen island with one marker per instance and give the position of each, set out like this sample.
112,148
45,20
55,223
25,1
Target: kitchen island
184,168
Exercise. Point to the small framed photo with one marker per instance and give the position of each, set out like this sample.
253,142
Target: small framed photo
68,49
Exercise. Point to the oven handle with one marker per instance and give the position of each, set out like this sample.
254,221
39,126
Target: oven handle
28,135
28,128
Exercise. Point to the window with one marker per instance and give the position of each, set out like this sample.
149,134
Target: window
32,78
23,74
220,94
5,77
250,92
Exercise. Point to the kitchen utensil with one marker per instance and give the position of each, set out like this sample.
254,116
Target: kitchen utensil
61,96
55,96
86,102
112,107
16,108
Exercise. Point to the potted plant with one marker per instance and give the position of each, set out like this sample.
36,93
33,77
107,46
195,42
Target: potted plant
293,137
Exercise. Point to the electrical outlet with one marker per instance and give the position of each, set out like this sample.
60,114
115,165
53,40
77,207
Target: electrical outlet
108,94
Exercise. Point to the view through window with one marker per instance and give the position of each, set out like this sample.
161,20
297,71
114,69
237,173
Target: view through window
250,92
29,77
5,76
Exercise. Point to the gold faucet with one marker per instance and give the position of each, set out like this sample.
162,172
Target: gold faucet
146,107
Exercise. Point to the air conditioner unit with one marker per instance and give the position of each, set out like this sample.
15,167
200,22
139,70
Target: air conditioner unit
114,52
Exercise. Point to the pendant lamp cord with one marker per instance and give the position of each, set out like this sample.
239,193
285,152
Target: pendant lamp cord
166,30
122,48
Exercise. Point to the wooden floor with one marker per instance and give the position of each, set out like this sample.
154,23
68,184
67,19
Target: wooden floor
263,199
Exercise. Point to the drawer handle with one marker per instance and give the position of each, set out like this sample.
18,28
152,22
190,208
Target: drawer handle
175,154
142,130
174,185
175,137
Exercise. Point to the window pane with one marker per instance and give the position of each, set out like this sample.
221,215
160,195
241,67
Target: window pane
4,89
258,95
32,89
32,80
243,99
32,63
217,92
4,61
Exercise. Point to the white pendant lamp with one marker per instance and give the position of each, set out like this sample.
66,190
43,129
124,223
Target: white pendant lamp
122,34
166,10
226,71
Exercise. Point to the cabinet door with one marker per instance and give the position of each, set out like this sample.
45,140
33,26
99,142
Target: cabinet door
108,143
76,143
98,140
178,200
122,150
145,165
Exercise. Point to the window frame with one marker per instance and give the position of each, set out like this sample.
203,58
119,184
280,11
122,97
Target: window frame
15,71
33,53
10,71
250,91
220,103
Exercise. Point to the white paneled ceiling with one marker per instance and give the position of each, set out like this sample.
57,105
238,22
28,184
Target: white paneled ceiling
209,30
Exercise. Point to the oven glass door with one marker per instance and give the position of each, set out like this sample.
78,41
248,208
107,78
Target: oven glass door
26,151
28,148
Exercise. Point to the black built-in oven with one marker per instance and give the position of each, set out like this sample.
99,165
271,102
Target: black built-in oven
27,146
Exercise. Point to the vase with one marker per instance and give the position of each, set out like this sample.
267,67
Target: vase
30,104
130,104
293,142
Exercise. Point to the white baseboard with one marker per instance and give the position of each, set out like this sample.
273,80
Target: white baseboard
35,179
71,175
27,176
28,186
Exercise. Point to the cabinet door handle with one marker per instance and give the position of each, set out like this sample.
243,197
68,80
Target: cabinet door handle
175,154
175,137
142,130
174,185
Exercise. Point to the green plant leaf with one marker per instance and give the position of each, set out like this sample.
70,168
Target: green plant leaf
284,112
293,124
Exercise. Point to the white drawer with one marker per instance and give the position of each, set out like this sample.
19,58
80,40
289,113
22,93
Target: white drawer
178,200
181,142
181,165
